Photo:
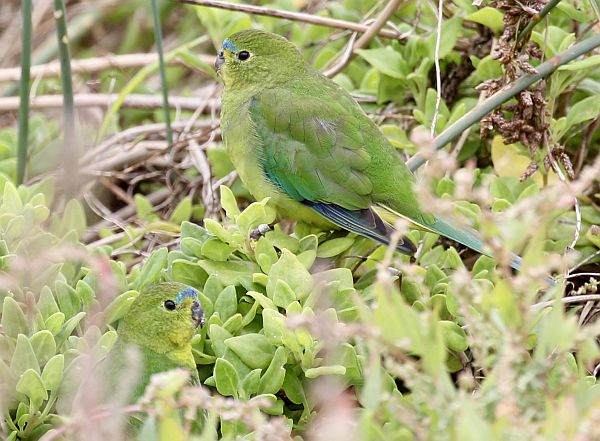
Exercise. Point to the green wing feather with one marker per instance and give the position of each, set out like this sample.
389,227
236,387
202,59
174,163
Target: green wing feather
311,149
316,152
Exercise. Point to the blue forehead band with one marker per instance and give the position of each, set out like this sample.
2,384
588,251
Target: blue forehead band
187,292
229,45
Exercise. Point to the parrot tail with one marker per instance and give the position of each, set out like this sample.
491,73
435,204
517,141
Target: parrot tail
466,237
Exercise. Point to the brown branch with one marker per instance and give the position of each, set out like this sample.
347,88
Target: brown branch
140,101
366,38
293,16
90,65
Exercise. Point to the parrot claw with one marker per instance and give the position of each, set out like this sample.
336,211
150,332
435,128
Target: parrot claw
259,231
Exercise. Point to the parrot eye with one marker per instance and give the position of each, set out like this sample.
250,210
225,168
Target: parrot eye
170,305
243,55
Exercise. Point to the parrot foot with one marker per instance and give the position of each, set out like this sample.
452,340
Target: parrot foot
260,231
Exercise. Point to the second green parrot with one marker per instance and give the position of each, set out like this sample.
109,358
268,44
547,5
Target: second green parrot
160,323
296,136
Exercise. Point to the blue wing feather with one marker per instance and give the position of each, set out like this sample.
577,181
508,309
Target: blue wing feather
364,222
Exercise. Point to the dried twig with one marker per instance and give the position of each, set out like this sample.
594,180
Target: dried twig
91,65
365,39
293,16
438,74
536,18
473,116
563,178
567,300
140,101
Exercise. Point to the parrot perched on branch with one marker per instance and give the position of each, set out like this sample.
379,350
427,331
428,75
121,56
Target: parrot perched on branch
160,323
296,136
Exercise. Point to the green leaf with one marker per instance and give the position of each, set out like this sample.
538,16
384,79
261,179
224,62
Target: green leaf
454,336
32,386
372,393
293,389
215,249
190,273
386,60
55,322
183,211
228,202
334,247
23,357
573,12
85,293
255,214
325,370
504,300
289,269
272,380
153,268
192,247
249,386
265,254
253,349
584,110
11,201
218,335
227,303
231,273
69,302
489,17
450,31
68,328
117,309
189,229
46,304
74,218
587,63
144,208
283,294
13,319
43,345
226,378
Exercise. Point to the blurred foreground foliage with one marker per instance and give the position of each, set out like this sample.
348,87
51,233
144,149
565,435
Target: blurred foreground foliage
311,334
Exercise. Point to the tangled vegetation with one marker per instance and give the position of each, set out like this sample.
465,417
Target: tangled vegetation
309,334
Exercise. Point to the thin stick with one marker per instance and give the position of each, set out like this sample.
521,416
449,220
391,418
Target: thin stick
91,65
438,73
69,148
24,93
537,18
563,178
584,261
293,16
472,117
366,38
161,68
140,101
570,299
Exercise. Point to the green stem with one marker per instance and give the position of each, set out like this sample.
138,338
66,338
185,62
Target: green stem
162,69
537,18
69,147
497,99
24,93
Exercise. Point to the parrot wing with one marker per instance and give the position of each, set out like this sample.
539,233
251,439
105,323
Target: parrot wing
313,150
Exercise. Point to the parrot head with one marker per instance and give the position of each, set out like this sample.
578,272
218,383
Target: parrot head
257,57
164,317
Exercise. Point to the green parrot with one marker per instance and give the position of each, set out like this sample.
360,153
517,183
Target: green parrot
296,136
160,323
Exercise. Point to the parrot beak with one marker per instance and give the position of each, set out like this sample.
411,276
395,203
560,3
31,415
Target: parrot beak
219,61
197,313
